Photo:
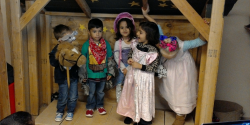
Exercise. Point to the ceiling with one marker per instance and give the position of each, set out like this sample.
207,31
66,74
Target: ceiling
157,7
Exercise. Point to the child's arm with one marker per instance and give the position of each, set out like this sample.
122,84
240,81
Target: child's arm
52,59
145,14
82,73
193,44
116,55
152,67
111,71
130,60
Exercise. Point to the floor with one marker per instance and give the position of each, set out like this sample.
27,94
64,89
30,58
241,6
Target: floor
111,118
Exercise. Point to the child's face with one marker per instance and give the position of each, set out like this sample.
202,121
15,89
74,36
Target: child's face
96,34
141,35
67,33
124,29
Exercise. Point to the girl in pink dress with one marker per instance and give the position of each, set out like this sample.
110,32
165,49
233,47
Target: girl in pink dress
137,101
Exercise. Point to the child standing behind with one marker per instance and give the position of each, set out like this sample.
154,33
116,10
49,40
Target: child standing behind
125,32
66,96
179,88
97,52
137,101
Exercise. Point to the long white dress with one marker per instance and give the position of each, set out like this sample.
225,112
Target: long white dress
138,96
179,88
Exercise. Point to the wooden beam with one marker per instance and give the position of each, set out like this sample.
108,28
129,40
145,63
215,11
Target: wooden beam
201,83
212,63
85,7
4,91
33,66
49,82
101,15
193,17
31,12
43,60
18,56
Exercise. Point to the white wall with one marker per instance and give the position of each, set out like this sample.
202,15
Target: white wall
234,68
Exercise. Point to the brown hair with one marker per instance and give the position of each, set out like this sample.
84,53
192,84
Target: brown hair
60,30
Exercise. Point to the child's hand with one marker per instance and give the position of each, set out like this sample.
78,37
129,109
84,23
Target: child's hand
145,12
130,61
84,80
136,65
109,77
124,71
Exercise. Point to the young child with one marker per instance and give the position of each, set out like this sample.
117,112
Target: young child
66,96
137,101
179,87
125,32
97,52
18,118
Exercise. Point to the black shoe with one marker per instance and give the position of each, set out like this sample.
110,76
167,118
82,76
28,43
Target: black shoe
142,122
128,120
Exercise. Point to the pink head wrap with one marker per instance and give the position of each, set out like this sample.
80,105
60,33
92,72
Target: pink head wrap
123,15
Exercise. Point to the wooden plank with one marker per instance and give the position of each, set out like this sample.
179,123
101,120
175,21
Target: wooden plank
6,18
193,17
48,71
114,118
33,66
17,56
43,58
4,91
212,62
97,119
39,56
31,12
85,7
47,117
159,117
201,83
170,117
101,15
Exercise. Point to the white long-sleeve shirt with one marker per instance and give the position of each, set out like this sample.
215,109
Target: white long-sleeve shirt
117,51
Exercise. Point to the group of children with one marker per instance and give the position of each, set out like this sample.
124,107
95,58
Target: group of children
137,57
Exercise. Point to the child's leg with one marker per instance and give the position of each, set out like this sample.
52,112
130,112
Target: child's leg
63,95
73,95
179,119
91,102
119,81
100,94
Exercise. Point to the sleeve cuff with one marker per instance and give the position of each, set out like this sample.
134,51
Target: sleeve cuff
143,68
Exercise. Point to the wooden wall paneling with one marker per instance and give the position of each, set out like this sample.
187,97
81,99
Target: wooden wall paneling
194,18
6,18
18,56
26,68
4,91
32,12
33,64
39,57
43,59
212,62
49,73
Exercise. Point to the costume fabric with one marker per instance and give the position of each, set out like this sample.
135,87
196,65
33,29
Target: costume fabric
137,100
179,88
